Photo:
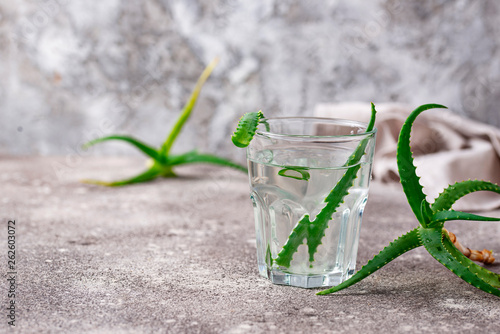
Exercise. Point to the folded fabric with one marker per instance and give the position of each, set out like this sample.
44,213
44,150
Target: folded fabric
447,148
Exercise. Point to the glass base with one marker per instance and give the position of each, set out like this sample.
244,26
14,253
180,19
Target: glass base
305,281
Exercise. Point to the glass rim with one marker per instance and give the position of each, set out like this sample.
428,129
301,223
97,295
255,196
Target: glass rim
325,120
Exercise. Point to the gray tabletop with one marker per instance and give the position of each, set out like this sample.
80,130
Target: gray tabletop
178,256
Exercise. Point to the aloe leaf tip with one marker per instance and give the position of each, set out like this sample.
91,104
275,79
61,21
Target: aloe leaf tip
246,128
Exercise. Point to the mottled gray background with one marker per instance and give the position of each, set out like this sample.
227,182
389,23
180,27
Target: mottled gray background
72,70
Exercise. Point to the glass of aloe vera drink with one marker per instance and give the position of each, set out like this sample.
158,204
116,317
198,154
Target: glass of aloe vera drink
309,182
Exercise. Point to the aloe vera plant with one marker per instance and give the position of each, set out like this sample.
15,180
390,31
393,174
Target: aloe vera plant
431,217
431,233
162,162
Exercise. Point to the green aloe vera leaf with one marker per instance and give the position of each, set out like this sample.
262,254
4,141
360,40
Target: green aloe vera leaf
143,147
188,108
147,175
399,246
489,277
302,171
371,123
334,199
315,230
336,196
432,240
454,192
195,157
245,130
443,216
407,170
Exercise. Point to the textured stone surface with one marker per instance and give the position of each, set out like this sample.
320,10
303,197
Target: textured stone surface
76,69
178,256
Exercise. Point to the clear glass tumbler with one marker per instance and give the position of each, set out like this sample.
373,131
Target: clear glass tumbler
294,166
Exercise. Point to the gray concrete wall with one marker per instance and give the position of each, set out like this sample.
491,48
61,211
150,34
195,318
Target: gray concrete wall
76,69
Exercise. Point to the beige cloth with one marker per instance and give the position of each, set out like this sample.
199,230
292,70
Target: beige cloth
447,148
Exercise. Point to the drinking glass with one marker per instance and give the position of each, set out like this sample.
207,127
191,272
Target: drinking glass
294,163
